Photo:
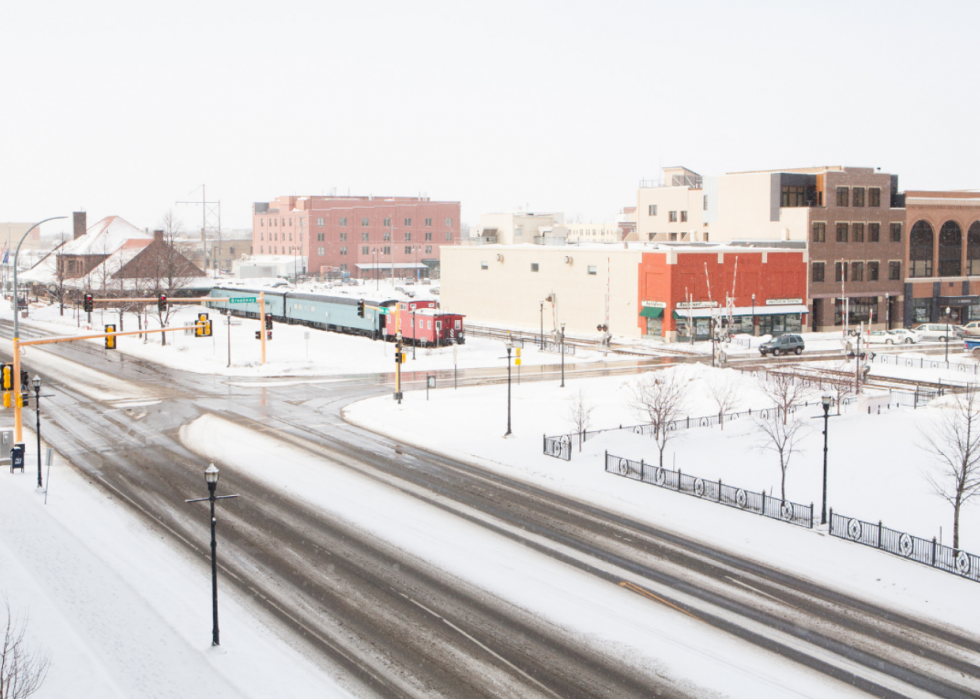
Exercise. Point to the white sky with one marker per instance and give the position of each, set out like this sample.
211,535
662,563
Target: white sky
124,108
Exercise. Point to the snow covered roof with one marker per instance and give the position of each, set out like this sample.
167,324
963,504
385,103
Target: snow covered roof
105,237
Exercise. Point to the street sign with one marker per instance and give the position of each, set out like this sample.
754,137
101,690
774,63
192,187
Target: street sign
243,299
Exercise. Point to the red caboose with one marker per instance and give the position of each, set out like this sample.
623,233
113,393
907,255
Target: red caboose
424,324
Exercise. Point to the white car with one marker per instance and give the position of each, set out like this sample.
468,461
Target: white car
903,336
881,337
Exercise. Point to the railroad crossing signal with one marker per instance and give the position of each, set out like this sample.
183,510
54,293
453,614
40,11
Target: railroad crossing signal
360,308
88,305
110,342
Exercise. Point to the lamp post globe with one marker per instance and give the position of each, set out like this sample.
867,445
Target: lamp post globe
37,383
825,400
211,475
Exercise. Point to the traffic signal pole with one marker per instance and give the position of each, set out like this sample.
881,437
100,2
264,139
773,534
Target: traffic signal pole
262,321
18,423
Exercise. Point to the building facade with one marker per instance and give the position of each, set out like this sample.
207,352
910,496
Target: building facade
639,290
359,235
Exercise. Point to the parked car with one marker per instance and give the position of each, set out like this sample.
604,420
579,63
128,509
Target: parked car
940,332
903,335
783,345
972,329
881,337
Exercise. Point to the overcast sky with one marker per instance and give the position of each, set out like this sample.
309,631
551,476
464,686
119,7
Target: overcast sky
127,107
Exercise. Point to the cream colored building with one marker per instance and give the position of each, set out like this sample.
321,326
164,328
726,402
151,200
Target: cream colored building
517,227
594,232
670,209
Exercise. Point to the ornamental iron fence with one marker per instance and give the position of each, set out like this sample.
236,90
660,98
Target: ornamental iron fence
969,367
712,491
559,447
930,553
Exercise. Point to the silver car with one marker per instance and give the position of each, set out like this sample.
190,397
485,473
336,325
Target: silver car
941,332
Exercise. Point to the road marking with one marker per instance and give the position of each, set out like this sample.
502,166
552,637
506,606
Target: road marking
484,647
760,592
646,593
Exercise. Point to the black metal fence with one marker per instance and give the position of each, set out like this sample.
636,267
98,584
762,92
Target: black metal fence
559,447
930,553
960,367
713,491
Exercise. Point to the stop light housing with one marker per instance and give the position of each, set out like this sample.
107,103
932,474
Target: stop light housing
162,302
258,334
360,308
268,321
88,305
110,342
398,357
8,377
268,334
203,327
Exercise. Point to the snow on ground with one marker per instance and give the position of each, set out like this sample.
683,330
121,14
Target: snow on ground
295,350
876,471
612,619
121,612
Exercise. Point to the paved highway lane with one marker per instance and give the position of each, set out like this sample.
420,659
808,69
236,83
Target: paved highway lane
404,649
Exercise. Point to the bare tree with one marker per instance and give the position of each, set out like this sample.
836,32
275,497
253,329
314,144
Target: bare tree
580,414
169,270
840,382
22,670
658,399
781,436
724,388
785,390
57,289
954,442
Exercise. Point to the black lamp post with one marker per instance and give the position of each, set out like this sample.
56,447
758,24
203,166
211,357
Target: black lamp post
211,476
825,400
948,311
562,348
542,325
37,408
508,389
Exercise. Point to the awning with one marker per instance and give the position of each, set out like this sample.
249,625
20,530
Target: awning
388,265
683,313
652,312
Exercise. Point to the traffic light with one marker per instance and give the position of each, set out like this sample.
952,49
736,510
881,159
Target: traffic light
360,308
268,334
258,334
110,342
398,357
268,321
203,327
8,377
88,305
162,303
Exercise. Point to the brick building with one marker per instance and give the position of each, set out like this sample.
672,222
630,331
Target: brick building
360,235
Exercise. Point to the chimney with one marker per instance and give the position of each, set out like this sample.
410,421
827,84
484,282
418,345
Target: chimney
79,221
158,236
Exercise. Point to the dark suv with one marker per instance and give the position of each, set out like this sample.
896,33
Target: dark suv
782,345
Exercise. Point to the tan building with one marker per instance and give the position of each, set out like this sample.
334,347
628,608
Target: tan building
518,227
594,232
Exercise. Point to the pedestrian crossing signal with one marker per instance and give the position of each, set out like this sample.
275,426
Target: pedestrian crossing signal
110,341
258,334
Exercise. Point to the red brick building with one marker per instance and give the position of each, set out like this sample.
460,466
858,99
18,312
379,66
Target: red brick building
359,235
683,287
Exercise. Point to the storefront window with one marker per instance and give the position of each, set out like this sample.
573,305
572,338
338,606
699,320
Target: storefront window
921,310
860,309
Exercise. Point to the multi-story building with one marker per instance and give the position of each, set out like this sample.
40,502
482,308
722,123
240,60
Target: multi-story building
942,257
518,227
610,232
852,220
391,236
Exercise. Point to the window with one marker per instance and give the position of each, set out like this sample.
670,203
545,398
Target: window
290,222
343,221
857,198
857,271
290,236
319,221
920,250
793,196
319,251
261,252
231,251
894,271
261,236
874,196
387,250
261,221
592,269
428,235
872,271
484,265
408,249
705,202
343,235
343,250
387,235
387,222
449,235
683,216
652,209
841,232
842,196
896,232
365,221
817,272
672,217
858,232
840,269
343,266
874,232
534,266
819,233
365,236
408,222
365,250
449,223
408,236
320,237
428,221
673,236
428,249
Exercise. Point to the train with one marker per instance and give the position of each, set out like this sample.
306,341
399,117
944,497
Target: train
421,321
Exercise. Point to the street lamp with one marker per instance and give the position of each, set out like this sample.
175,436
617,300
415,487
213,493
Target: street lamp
211,477
948,311
753,315
37,408
825,400
509,348
562,348
542,325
